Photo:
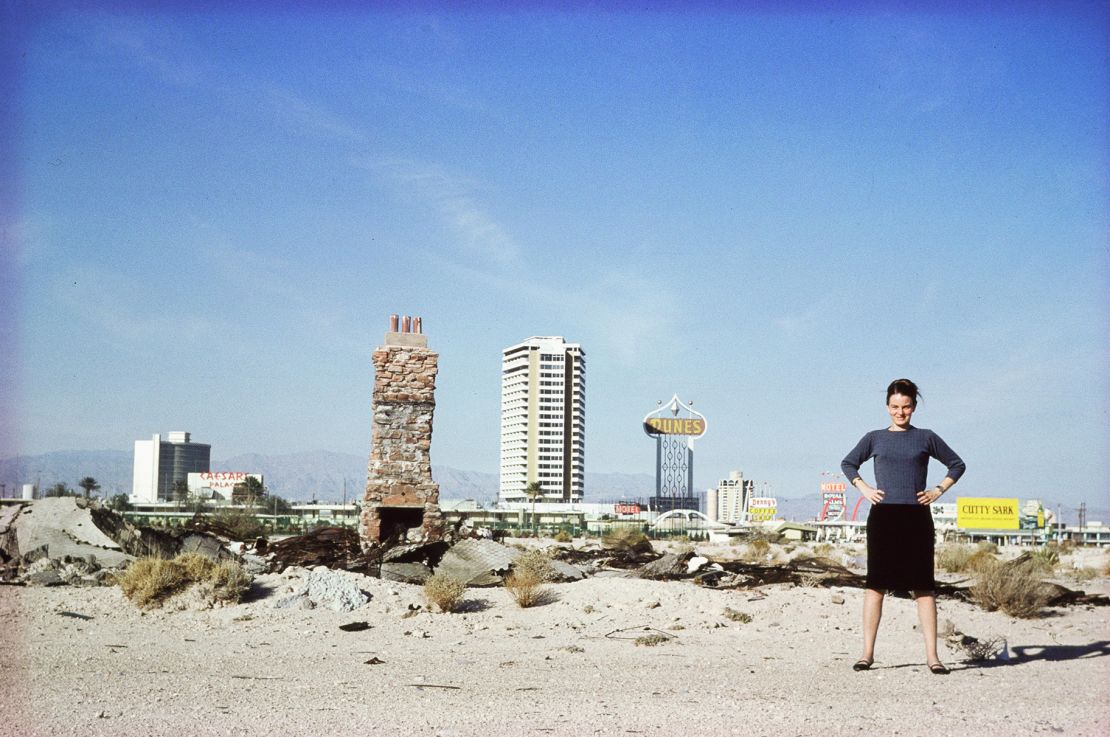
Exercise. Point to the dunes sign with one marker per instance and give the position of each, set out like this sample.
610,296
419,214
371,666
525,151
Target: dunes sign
675,418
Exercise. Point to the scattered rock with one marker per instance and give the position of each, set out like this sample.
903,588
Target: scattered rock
564,572
696,563
355,626
670,566
334,590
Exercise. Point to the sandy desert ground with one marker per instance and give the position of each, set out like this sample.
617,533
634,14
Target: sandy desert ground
85,662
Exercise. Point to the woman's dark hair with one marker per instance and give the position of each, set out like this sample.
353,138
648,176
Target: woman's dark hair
906,388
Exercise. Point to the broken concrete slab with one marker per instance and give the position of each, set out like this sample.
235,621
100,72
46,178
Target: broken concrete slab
416,573
562,572
427,553
8,515
670,566
477,562
64,527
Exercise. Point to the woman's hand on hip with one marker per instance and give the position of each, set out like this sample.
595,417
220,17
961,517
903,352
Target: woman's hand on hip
872,495
929,495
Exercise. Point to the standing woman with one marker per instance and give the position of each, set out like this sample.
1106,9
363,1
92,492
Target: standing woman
900,536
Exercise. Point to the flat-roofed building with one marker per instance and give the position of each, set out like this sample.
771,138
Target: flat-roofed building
543,420
160,463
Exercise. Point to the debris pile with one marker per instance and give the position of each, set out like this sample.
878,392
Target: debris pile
333,547
321,587
76,541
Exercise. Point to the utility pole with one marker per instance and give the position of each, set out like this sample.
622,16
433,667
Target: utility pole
1082,519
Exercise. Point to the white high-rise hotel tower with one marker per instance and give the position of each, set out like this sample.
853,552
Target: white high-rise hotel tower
543,420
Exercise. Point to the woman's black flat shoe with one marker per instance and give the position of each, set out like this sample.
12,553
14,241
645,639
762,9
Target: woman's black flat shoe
939,669
862,665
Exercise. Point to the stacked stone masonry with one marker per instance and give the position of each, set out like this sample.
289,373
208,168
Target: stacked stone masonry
400,472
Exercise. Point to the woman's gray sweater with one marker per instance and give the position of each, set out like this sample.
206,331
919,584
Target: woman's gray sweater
901,461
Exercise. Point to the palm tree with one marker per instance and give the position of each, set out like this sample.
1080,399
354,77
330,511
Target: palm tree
89,485
533,491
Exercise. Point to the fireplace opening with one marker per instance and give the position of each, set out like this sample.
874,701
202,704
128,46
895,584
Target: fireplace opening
395,522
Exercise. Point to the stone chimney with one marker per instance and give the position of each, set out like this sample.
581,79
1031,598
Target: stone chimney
401,500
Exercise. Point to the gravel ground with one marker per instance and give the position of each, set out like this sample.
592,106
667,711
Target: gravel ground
85,662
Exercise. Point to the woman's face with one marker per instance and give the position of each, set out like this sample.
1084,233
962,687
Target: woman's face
901,409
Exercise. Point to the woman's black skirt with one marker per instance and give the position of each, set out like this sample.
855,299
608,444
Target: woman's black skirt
900,547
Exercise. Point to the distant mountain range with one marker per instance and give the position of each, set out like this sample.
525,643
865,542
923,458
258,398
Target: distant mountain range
320,475
333,477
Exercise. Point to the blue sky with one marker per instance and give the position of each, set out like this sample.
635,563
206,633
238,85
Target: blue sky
770,214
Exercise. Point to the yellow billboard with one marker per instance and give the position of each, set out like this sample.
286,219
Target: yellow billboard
987,513
762,509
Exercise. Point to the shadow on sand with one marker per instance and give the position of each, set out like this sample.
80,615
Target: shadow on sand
1052,653
1020,654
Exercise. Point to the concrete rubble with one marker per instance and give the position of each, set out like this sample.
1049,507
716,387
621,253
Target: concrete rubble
670,566
76,541
478,562
79,542
321,587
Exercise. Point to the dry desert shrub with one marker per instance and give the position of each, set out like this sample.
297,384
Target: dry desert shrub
1045,559
1084,574
959,558
526,588
973,648
444,592
735,616
150,581
824,550
812,580
196,566
562,536
756,550
953,557
241,524
656,638
1013,587
534,563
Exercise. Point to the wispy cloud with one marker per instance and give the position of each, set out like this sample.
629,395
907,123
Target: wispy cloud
455,200
170,58
618,308
311,116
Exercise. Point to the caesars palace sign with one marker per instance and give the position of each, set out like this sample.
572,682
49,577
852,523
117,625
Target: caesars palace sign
220,480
